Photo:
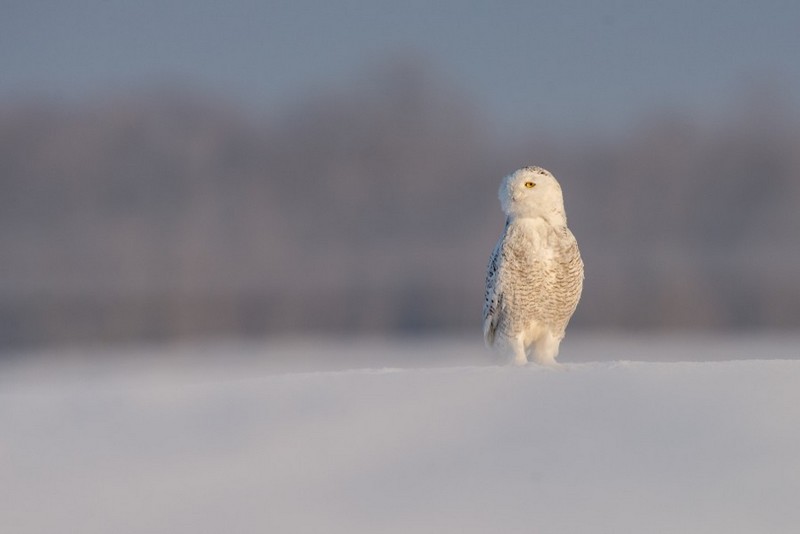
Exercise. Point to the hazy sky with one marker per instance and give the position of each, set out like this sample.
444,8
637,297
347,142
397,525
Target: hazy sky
564,65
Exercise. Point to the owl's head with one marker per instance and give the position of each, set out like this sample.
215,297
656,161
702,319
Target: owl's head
533,192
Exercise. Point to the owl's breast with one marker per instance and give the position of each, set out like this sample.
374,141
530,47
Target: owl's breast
542,278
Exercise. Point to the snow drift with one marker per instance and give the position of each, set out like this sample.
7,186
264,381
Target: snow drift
596,447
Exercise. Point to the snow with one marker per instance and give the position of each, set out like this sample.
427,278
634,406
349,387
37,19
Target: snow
282,438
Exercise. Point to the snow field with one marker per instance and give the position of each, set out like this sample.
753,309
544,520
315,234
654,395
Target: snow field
595,447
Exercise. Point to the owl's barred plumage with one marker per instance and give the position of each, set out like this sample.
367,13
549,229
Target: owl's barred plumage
535,274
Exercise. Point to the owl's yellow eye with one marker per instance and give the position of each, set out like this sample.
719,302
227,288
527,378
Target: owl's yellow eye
529,185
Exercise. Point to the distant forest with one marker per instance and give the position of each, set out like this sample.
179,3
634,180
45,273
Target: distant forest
168,214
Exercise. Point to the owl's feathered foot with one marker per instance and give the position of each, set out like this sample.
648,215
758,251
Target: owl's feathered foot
520,355
546,350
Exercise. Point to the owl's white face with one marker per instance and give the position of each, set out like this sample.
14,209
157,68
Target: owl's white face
532,192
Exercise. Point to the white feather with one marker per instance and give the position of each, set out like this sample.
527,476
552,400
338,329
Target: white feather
535,274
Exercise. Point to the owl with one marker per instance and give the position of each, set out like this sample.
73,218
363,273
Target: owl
535,274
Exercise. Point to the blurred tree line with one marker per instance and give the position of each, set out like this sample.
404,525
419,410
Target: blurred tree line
169,215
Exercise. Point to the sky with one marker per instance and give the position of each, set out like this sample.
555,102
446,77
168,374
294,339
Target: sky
566,66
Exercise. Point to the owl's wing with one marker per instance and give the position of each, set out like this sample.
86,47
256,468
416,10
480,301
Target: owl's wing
492,297
572,269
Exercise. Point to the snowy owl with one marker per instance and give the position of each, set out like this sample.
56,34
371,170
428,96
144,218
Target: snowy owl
535,274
